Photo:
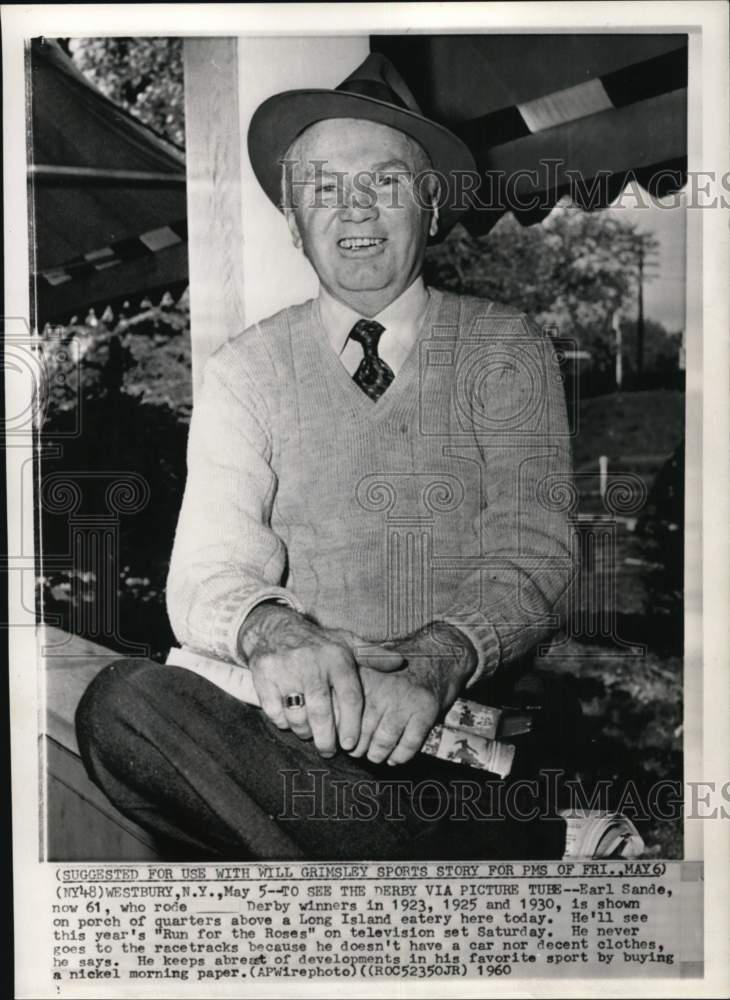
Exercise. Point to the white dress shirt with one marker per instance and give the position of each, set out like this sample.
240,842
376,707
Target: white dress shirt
401,319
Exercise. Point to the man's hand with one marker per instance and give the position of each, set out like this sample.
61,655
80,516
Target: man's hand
287,653
401,707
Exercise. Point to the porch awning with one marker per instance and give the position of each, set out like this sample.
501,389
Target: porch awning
108,195
547,115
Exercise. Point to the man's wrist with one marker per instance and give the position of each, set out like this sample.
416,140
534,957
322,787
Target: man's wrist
454,657
259,623
457,645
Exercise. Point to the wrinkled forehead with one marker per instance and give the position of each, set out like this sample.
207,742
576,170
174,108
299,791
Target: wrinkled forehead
351,144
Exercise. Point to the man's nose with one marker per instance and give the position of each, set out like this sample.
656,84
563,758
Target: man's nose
359,204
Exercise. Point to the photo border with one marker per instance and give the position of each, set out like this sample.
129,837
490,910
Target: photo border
707,742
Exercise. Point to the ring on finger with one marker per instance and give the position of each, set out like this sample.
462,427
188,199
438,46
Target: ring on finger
295,699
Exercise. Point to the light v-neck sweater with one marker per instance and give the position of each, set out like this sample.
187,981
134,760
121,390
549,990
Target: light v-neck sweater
445,500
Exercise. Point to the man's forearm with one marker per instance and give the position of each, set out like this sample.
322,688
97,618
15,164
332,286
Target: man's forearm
226,559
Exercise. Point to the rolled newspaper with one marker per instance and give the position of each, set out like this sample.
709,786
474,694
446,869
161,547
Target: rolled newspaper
598,834
466,737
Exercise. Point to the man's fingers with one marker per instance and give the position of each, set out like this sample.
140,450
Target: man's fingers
270,700
321,718
371,654
370,719
413,738
347,694
378,657
296,717
296,714
385,738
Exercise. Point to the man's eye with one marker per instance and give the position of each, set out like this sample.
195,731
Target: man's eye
386,180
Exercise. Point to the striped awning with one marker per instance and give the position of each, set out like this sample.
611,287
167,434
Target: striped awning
108,195
550,115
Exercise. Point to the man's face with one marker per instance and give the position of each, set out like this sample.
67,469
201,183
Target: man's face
356,215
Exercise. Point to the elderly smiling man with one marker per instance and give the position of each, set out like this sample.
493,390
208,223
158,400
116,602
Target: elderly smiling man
369,524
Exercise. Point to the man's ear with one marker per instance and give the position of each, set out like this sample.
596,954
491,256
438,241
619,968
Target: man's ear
433,227
291,221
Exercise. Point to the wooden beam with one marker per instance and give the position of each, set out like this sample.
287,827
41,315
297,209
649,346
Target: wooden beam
637,135
51,174
213,157
278,275
243,266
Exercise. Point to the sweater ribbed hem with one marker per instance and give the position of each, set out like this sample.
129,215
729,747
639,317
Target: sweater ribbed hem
485,641
232,628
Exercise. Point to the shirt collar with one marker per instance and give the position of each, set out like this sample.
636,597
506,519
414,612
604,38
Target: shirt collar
405,312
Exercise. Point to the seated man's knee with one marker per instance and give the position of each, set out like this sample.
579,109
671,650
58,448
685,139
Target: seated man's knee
109,705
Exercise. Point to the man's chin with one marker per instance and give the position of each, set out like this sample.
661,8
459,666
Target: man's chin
364,287
363,271
363,279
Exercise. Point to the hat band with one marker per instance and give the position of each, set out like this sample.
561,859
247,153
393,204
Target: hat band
371,88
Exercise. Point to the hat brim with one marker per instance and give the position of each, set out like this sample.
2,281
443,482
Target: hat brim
281,118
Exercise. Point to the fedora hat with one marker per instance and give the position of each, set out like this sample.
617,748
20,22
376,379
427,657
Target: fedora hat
374,92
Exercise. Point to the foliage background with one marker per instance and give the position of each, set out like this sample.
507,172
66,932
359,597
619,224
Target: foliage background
142,75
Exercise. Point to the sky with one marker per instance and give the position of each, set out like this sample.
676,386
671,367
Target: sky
664,294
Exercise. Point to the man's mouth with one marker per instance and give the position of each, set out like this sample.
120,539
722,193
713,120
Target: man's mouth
360,242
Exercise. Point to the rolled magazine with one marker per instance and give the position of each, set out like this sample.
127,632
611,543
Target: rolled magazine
467,736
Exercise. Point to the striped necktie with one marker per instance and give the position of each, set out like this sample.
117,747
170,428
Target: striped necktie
373,375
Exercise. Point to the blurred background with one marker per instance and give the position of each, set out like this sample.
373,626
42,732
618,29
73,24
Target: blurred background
111,299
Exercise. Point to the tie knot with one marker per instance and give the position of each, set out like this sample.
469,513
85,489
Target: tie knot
367,332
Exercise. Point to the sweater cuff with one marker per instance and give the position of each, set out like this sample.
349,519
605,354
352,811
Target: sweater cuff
234,624
485,641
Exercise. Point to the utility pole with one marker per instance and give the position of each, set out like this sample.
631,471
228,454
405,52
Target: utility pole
640,319
619,348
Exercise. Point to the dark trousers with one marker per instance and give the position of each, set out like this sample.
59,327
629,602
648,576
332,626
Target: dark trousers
212,777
